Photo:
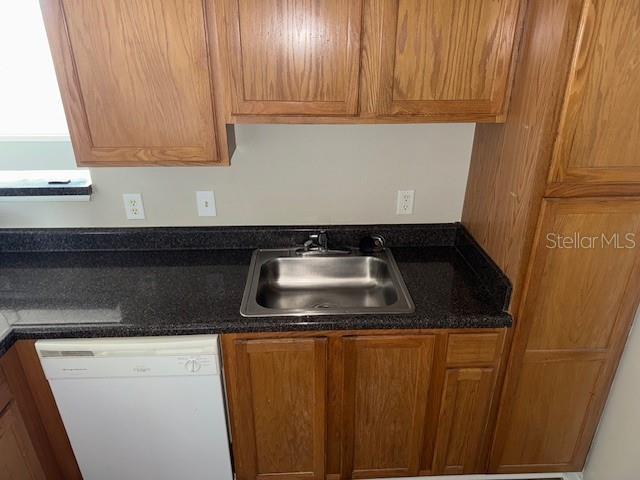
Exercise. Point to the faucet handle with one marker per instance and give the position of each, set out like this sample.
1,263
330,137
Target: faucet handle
319,238
322,238
372,244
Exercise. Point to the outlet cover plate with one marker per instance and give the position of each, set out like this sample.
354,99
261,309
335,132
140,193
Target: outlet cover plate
133,206
206,202
405,202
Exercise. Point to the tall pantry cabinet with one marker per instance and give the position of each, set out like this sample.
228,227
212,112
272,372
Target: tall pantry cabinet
562,173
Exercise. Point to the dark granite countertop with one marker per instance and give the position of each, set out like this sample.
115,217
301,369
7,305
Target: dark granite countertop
173,292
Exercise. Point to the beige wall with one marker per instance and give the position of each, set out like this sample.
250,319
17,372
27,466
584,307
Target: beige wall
615,453
283,174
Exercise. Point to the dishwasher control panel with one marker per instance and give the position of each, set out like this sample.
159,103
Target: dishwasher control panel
137,366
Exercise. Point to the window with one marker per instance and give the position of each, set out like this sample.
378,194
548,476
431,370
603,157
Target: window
30,104
34,137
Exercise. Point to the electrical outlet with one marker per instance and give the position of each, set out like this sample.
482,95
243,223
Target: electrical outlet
206,202
133,206
405,202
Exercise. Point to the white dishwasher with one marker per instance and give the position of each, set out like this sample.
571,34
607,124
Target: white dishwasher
141,408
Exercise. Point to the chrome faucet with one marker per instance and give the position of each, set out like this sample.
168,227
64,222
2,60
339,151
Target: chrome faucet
318,244
317,241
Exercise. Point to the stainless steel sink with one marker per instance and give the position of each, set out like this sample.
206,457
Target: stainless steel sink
285,283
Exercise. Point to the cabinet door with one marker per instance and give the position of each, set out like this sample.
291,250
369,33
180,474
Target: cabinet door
32,393
586,258
464,409
599,136
293,58
277,395
460,444
18,459
136,80
385,392
554,401
442,57
581,297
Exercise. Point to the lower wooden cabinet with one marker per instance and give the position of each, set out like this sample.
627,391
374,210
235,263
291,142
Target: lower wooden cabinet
385,391
462,424
33,441
372,404
277,389
580,301
18,458
555,398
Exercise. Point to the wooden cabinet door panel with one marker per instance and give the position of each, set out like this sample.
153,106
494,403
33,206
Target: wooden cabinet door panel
33,393
446,57
18,459
135,79
27,385
464,409
278,398
552,403
294,57
580,300
386,383
582,271
474,348
599,136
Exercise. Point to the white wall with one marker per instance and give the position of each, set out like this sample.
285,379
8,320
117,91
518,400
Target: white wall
280,174
615,453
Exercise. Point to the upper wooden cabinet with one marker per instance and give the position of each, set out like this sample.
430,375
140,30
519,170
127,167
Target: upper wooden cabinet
146,82
599,135
439,57
293,58
136,80
368,61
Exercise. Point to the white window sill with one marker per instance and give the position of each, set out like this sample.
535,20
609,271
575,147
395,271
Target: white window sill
45,186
